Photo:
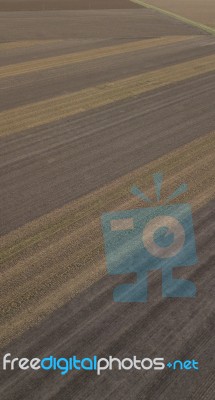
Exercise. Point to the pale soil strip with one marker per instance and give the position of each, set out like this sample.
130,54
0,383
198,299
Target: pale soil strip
73,213
83,56
31,314
187,21
26,43
32,272
49,261
21,118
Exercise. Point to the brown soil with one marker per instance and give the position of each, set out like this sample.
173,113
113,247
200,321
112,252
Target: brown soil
36,5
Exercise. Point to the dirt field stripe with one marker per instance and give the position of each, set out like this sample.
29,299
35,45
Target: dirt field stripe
69,59
187,21
51,260
46,111
26,43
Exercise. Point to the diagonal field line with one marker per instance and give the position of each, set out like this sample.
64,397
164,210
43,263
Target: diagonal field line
36,114
52,259
187,21
83,56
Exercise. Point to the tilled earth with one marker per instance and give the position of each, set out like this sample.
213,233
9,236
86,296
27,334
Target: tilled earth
94,102
37,5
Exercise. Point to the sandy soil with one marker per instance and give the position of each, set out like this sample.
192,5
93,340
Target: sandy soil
202,11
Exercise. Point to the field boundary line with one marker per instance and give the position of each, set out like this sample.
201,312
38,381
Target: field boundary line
187,21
